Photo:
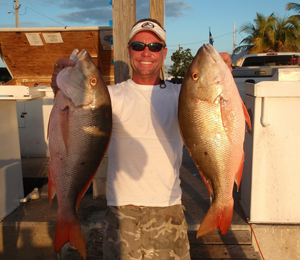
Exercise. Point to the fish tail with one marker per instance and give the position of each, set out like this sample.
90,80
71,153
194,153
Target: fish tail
69,230
246,114
85,188
51,186
218,216
239,173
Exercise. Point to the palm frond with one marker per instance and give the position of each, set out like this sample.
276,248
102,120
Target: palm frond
292,6
271,33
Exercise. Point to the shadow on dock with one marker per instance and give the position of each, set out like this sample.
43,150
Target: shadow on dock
28,233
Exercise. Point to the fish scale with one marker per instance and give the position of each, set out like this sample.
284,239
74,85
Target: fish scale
212,123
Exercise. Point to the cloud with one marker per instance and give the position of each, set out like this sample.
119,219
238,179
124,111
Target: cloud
142,9
91,12
88,16
99,12
174,9
79,4
3,3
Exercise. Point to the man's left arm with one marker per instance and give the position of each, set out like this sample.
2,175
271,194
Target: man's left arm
227,59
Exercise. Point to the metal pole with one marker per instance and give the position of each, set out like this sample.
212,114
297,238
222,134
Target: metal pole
233,37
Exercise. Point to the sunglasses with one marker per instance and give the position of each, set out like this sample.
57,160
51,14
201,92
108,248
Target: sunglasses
154,47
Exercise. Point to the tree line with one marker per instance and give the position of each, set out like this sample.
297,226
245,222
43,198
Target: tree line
272,33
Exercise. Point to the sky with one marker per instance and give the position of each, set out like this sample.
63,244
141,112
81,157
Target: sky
187,22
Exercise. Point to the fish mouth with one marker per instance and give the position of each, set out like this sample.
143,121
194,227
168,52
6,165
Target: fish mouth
77,56
74,81
82,54
210,50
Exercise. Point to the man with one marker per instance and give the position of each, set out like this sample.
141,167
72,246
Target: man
144,218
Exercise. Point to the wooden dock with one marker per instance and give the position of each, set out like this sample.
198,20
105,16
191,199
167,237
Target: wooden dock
36,221
234,245
213,246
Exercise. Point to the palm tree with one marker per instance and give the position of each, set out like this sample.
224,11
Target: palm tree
295,7
292,6
284,34
256,35
271,34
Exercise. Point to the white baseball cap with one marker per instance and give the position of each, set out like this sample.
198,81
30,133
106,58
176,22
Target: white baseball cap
148,26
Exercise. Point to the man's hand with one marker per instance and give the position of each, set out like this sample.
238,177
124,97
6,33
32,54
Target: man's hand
227,59
59,65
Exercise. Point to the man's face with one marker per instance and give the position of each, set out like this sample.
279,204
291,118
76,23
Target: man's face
146,64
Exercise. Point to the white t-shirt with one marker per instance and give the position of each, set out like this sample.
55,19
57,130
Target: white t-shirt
145,150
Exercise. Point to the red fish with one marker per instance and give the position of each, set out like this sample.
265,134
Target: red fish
79,132
212,123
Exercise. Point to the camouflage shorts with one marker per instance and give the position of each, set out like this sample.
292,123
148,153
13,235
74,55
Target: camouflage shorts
132,232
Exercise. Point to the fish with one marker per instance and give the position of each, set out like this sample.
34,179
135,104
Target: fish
79,131
212,120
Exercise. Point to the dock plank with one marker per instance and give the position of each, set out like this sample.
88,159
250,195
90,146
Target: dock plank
236,244
241,237
222,252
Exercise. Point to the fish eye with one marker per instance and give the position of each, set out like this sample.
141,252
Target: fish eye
93,82
195,76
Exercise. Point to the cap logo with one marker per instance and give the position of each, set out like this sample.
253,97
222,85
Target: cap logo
148,25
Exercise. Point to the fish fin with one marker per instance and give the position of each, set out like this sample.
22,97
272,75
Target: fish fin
63,105
227,116
69,230
51,187
208,185
64,124
49,124
217,217
59,102
247,117
48,127
85,188
239,173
